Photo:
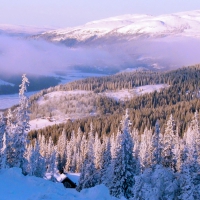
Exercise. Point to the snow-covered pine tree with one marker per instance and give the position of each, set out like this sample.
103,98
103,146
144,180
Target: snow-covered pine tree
61,150
146,149
4,153
113,144
39,166
52,167
10,131
156,184
29,160
51,156
186,185
69,152
2,128
195,132
43,146
168,157
97,152
22,125
83,149
89,175
81,181
3,142
177,151
156,145
124,164
106,164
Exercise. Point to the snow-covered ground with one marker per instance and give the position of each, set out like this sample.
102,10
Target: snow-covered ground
126,94
41,123
59,101
15,186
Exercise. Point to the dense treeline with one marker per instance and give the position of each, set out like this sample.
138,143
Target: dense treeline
181,99
141,119
186,76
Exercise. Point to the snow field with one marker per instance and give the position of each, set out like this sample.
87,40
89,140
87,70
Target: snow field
15,186
126,94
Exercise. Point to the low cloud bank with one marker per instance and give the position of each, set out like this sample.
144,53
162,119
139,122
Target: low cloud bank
19,56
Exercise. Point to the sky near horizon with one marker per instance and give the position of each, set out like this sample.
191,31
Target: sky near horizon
65,13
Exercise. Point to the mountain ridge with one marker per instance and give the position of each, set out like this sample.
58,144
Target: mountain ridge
128,27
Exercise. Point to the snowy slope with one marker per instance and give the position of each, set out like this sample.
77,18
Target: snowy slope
126,94
15,186
130,27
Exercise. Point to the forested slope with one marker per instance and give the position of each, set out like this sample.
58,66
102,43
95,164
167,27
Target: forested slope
181,99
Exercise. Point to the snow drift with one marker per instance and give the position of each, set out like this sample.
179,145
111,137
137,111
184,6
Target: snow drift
14,185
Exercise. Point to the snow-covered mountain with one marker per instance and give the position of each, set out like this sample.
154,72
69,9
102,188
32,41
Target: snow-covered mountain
129,27
17,30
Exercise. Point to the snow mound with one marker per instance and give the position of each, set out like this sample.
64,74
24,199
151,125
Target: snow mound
14,185
96,193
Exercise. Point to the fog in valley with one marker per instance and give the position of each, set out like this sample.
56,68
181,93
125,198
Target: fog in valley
20,55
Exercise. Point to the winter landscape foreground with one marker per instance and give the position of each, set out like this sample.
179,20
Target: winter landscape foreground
15,186
126,165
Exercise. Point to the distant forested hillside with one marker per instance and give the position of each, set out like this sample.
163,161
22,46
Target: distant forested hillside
181,99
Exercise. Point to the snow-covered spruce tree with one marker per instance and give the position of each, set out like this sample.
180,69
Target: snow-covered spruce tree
195,132
40,168
69,153
22,125
2,128
52,167
192,154
146,149
10,131
89,175
29,161
35,163
168,157
113,144
156,145
83,150
177,151
106,164
3,142
124,164
42,144
4,153
136,149
61,150
186,186
80,185
97,151
157,184
51,159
